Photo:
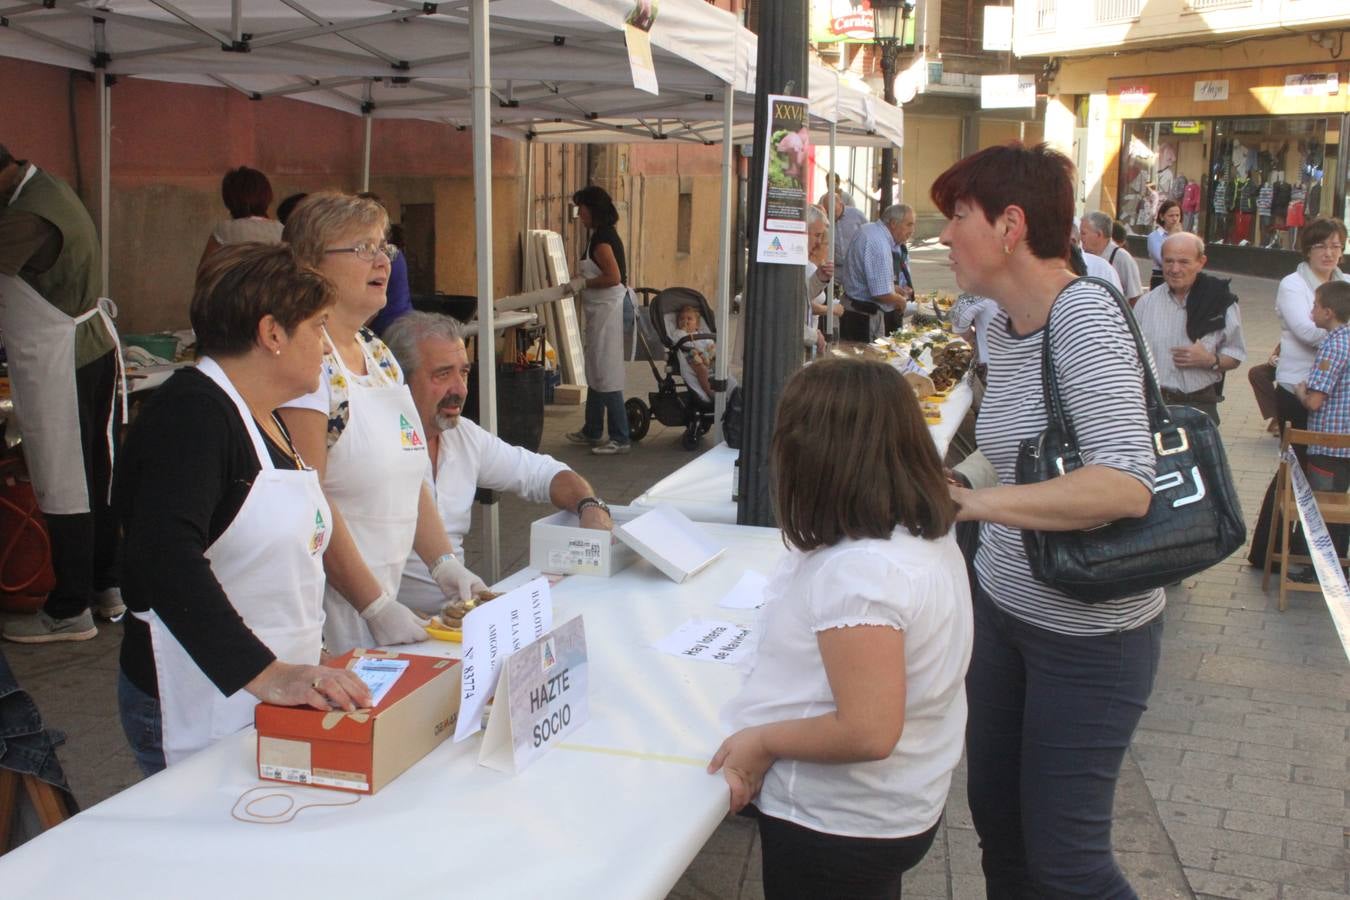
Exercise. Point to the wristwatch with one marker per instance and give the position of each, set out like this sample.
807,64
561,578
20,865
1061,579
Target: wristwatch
1216,366
584,502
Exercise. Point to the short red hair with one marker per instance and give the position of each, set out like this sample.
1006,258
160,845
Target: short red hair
1037,179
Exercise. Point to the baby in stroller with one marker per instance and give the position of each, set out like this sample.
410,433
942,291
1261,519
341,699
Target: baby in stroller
698,355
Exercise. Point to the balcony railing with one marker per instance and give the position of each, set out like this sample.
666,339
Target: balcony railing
1117,10
1045,15
1205,5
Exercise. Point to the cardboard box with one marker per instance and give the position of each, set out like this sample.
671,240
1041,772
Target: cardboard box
560,546
364,750
667,539
569,394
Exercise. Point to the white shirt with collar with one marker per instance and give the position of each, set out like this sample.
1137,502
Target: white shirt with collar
1162,321
469,458
1100,268
1127,270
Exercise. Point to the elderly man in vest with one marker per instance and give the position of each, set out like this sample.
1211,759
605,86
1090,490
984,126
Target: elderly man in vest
59,340
1192,327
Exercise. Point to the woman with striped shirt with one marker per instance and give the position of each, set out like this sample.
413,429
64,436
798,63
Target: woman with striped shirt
1056,686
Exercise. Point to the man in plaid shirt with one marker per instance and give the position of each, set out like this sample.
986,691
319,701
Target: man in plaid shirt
1326,394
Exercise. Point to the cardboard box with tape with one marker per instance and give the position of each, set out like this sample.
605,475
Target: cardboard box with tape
363,751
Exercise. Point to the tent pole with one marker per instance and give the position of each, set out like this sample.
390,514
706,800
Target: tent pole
482,220
365,155
829,249
104,170
724,259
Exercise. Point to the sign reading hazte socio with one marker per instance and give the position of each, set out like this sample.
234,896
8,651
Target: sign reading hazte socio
782,198
543,696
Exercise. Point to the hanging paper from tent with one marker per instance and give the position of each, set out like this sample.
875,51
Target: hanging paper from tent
783,195
637,30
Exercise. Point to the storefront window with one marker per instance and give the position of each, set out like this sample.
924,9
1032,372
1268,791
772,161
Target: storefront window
1248,182
1163,161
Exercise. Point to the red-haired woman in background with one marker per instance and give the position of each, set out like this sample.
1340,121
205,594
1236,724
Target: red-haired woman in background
247,195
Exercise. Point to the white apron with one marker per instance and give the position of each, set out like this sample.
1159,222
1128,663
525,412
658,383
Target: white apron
40,343
270,563
374,477
604,332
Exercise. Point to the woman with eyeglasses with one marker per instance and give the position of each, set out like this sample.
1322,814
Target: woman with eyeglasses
1322,243
361,431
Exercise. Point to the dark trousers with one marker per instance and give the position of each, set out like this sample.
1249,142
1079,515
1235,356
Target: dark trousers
1331,473
802,864
1262,379
1289,409
856,326
84,546
1051,717
600,403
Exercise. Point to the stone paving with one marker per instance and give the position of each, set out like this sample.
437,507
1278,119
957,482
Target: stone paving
1235,787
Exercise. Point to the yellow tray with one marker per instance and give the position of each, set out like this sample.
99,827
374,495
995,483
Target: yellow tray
436,632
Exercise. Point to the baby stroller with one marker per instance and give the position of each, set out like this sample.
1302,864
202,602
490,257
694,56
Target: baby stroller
673,403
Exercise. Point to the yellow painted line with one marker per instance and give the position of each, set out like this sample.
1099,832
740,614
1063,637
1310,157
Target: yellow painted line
636,754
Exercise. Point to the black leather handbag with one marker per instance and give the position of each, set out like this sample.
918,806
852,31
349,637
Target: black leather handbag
1193,522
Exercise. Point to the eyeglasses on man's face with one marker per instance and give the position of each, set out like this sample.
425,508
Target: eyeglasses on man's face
1328,247
368,250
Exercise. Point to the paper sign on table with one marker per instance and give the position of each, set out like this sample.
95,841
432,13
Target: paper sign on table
379,675
710,640
748,593
543,696
492,632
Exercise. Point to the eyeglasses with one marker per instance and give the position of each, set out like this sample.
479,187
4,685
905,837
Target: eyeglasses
1324,248
368,250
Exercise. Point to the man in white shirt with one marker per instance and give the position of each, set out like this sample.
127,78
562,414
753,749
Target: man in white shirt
463,456
1096,236
1192,327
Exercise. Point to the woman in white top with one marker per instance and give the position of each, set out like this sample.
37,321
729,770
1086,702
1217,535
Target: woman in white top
247,194
1322,243
361,431
850,724
1169,223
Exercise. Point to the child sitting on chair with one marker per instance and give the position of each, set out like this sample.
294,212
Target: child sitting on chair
1326,394
696,357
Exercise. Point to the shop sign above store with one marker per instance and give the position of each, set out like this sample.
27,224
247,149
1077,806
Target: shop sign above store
998,28
1316,84
1189,126
1007,91
1210,91
1134,94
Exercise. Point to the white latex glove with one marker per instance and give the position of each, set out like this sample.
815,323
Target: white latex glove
577,285
455,580
391,622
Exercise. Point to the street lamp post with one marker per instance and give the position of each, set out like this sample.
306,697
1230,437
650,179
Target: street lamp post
889,18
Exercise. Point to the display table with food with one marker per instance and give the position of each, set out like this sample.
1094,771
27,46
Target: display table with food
619,809
703,489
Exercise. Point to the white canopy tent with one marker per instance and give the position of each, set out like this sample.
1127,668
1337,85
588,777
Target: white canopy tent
559,72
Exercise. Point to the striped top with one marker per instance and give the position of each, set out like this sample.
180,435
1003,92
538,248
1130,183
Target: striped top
1101,381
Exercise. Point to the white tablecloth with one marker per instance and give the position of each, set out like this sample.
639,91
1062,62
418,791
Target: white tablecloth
619,811
702,489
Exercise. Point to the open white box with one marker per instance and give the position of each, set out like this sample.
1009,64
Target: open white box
560,546
667,539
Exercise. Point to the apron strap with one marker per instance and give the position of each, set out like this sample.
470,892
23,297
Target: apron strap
106,310
211,369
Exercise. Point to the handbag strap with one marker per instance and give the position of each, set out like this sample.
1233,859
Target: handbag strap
1054,403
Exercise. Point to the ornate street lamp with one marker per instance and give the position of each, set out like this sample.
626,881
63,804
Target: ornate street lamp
889,18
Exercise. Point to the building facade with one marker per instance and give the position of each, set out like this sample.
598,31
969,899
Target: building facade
1235,109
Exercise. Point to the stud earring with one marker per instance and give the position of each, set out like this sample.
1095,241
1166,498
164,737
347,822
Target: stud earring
277,352
1007,251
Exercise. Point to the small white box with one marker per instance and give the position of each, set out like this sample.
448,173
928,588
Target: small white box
560,546
667,538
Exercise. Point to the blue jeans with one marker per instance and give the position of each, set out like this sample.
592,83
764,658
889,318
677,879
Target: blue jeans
141,724
597,404
1051,717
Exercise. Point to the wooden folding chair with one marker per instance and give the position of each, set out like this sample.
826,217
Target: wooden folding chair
1335,508
49,803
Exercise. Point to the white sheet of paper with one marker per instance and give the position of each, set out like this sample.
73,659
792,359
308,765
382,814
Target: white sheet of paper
748,593
379,675
493,632
709,640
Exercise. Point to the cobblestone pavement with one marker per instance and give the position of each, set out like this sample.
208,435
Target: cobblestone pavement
1237,781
